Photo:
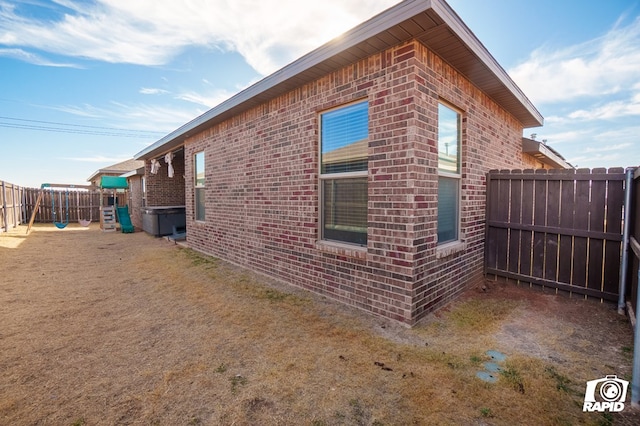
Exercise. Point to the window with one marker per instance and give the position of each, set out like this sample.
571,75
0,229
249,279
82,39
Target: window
144,191
199,185
448,174
344,134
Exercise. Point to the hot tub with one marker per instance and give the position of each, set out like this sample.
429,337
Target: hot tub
161,220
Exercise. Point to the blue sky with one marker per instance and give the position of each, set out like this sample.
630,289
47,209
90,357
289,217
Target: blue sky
88,83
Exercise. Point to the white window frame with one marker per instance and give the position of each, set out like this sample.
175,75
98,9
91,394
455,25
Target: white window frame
323,177
144,190
197,186
457,176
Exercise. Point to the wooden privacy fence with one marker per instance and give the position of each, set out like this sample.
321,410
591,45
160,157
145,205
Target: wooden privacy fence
10,206
634,230
556,228
81,205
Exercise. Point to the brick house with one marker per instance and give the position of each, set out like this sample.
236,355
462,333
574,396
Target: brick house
133,170
117,169
136,196
357,171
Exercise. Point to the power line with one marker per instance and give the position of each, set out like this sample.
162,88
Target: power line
79,125
72,131
57,127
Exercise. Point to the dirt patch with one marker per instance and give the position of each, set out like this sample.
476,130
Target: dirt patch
111,328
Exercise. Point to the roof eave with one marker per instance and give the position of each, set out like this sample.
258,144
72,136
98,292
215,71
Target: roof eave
360,39
527,113
544,154
136,172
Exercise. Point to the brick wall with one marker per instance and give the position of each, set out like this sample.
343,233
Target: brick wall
163,190
136,200
262,185
491,138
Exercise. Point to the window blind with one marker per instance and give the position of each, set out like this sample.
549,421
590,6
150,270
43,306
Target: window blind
345,132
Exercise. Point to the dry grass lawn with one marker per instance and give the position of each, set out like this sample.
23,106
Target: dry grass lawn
110,328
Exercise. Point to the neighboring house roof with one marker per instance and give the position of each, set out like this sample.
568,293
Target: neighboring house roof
347,153
118,169
432,22
545,154
136,172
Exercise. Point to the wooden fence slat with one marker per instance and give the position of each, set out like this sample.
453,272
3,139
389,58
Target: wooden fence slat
581,222
561,286
10,206
632,290
515,235
564,231
3,203
526,238
613,223
539,219
557,230
502,213
596,245
581,175
81,203
490,236
551,238
565,248
17,205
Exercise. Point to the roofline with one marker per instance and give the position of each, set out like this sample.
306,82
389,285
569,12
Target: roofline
544,153
461,29
105,171
384,21
137,172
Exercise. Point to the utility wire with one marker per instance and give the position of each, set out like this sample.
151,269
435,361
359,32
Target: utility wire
51,126
79,131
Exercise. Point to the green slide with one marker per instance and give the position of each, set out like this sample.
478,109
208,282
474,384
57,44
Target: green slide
125,220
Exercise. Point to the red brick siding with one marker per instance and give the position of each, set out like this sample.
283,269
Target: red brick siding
163,190
135,200
491,138
262,185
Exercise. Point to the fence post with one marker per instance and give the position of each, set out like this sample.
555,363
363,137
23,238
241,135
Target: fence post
635,376
16,205
23,205
5,225
622,290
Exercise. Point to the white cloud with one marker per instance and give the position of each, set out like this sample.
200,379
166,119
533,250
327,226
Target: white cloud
592,93
601,153
563,137
84,110
609,64
592,144
152,91
608,148
135,116
609,110
151,32
597,160
628,132
34,59
207,100
151,117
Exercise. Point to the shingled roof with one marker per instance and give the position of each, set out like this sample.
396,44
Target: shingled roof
118,168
